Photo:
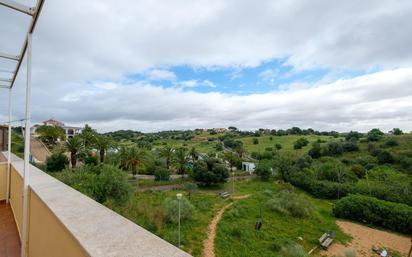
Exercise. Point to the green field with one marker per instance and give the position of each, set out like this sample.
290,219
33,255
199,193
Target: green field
145,209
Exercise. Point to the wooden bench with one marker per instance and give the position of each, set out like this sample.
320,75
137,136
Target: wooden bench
224,194
325,240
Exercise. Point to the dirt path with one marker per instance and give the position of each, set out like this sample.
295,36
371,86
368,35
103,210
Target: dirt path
39,151
364,238
209,243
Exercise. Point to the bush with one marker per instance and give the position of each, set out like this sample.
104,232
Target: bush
374,135
264,169
162,174
90,160
335,148
358,170
101,183
171,208
278,146
316,151
293,250
391,142
255,141
301,142
385,157
210,171
289,203
56,162
393,216
350,146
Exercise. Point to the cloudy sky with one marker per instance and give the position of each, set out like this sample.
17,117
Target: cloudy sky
178,64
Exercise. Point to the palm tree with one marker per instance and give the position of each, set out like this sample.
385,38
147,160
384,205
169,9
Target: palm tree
133,158
194,154
181,159
167,153
103,143
240,150
74,145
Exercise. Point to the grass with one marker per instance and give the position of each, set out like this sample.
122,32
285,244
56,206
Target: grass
145,209
236,235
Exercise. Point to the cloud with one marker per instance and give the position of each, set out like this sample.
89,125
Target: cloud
155,75
381,99
98,40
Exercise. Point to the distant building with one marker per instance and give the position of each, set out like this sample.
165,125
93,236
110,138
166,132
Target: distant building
3,137
70,130
248,167
219,130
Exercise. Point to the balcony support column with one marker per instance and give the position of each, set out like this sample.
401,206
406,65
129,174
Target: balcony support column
9,151
26,150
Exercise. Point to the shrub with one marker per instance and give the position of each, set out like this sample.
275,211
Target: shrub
278,146
255,141
315,151
56,162
90,160
162,174
289,203
171,208
385,157
210,171
293,250
301,142
393,216
109,182
374,135
358,170
350,146
264,169
335,148
391,142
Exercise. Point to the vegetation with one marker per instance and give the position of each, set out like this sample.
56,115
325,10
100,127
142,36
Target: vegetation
56,162
210,171
102,183
50,134
393,216
290,203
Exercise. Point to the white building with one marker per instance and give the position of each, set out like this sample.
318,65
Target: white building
70,130
248,167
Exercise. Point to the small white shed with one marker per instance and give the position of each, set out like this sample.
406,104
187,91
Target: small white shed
248,167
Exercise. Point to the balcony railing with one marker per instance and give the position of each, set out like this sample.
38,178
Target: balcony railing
64,222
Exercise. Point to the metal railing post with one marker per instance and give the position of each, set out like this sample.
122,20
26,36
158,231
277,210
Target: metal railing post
26,149
9,151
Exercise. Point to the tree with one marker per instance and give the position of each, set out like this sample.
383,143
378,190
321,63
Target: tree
353,135
264,169
374,135
240,150
210,171
133,158
75,146
56,162
166,153
103,143
50,134
316,151
284,163
194,154
301,142
397,131
181,159
89,136
232,159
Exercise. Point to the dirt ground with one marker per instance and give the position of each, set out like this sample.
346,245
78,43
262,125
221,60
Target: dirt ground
363,240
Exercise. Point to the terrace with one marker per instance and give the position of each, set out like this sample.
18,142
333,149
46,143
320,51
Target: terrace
41,216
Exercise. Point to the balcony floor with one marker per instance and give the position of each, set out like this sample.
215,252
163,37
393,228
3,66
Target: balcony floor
9,237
